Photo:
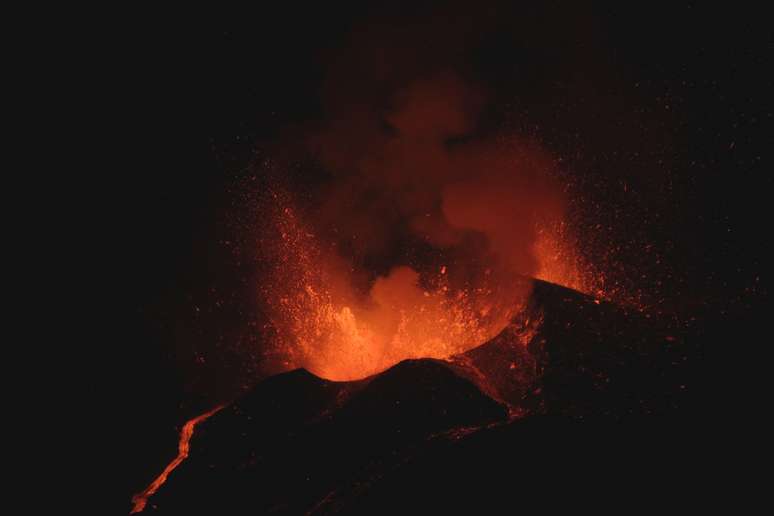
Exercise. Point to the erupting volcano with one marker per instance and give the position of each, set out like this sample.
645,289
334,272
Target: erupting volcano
414,255
326,327
563,354
420,241
419,245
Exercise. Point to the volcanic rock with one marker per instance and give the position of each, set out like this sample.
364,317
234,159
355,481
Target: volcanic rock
434,435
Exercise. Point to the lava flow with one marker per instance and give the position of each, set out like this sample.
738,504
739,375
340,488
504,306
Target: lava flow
140,499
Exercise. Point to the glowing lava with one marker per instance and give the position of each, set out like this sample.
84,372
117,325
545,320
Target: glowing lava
322,323
343,339
140,499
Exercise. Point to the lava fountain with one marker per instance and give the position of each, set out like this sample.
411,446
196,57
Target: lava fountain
321,322
324,325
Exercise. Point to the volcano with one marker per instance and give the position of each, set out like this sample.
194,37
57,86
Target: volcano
430,434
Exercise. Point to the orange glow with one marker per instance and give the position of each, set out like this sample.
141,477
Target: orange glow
140,499
559,260
558,253
346,340
322,324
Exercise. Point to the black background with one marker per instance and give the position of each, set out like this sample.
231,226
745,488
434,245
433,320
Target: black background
195,96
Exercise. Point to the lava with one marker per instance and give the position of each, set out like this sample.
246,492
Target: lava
403,231
322,323
326,326
140,499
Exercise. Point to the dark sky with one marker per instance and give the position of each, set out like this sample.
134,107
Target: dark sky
675,101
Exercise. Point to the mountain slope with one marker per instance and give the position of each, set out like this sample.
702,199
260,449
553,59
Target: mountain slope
430,433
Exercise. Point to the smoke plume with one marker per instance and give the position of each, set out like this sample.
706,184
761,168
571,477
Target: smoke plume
425,224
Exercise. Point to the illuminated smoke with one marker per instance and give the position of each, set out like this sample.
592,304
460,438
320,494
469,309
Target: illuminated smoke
414,178
420,226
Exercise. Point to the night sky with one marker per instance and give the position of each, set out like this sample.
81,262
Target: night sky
675,102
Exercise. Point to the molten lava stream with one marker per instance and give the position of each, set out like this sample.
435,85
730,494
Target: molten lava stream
140,499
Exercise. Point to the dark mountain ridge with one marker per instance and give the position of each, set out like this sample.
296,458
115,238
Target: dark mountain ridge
432,434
